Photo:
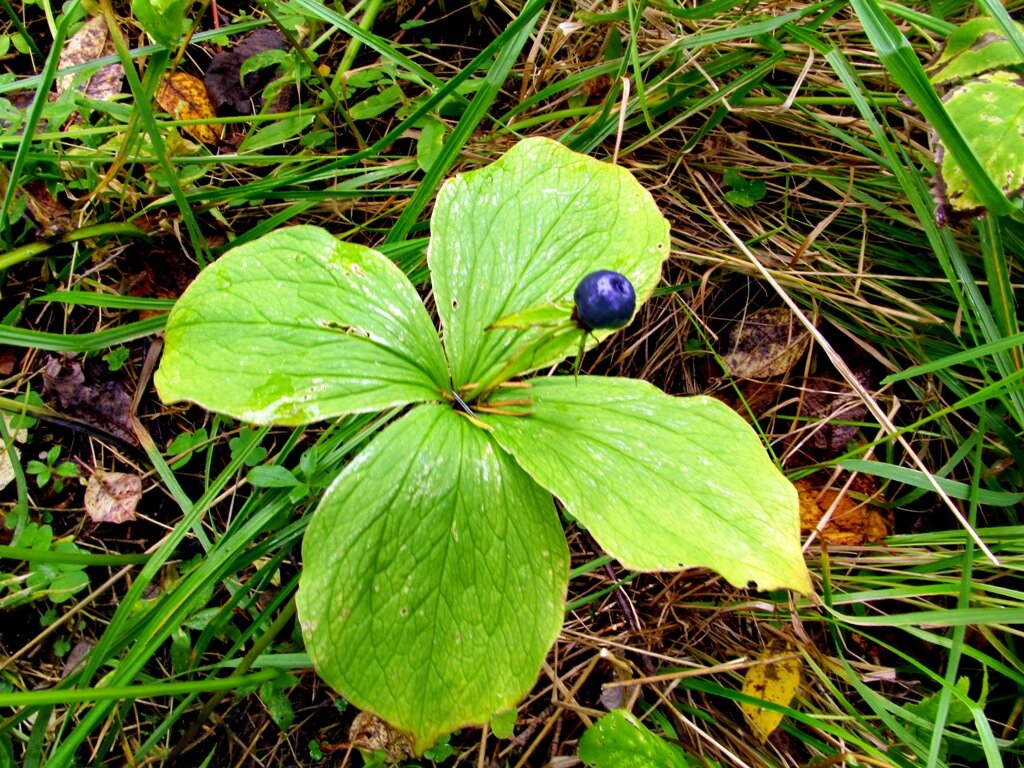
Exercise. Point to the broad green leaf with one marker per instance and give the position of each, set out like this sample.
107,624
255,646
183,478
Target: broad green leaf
619,740
661,482
434,577
296,327
522,232
989,111
975,47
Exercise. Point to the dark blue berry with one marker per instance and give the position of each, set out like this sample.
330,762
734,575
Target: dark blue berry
604,299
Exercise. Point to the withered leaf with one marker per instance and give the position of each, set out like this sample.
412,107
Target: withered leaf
184,96
6,463
834,403
111,497
776,680
370,732
229,91
765,343
105,404
91,42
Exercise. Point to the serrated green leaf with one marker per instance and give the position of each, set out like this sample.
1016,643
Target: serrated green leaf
661,482
619,740
164,20
522,232
974,47
434,577
989,111
297,327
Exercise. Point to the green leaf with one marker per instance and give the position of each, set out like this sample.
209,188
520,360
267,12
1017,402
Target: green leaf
989,111
297,327
377,104
164,20
273,476
619,740
276,700
434,577
977,46
503,724
430,142
661,482
522,232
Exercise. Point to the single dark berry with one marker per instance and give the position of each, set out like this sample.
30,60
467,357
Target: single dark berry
604,299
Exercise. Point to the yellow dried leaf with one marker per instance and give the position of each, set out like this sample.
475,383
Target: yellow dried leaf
111,497
776,680
184,96
91,42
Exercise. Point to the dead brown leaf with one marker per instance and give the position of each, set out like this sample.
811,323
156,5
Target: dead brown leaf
105,404
229,91
833,402
92,41
184,96
854,522
111,497
370,732
765,343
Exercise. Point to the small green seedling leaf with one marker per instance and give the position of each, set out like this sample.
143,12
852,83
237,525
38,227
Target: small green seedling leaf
976,46
661,482
298,327
989,111
274,695
619,740
503,724
237,445
745,193
434,575
523,232
440,751
116,358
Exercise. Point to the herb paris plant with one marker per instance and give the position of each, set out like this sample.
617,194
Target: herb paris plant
435,567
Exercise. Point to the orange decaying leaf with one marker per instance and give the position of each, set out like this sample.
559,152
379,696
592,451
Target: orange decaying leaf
852,523
184,96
